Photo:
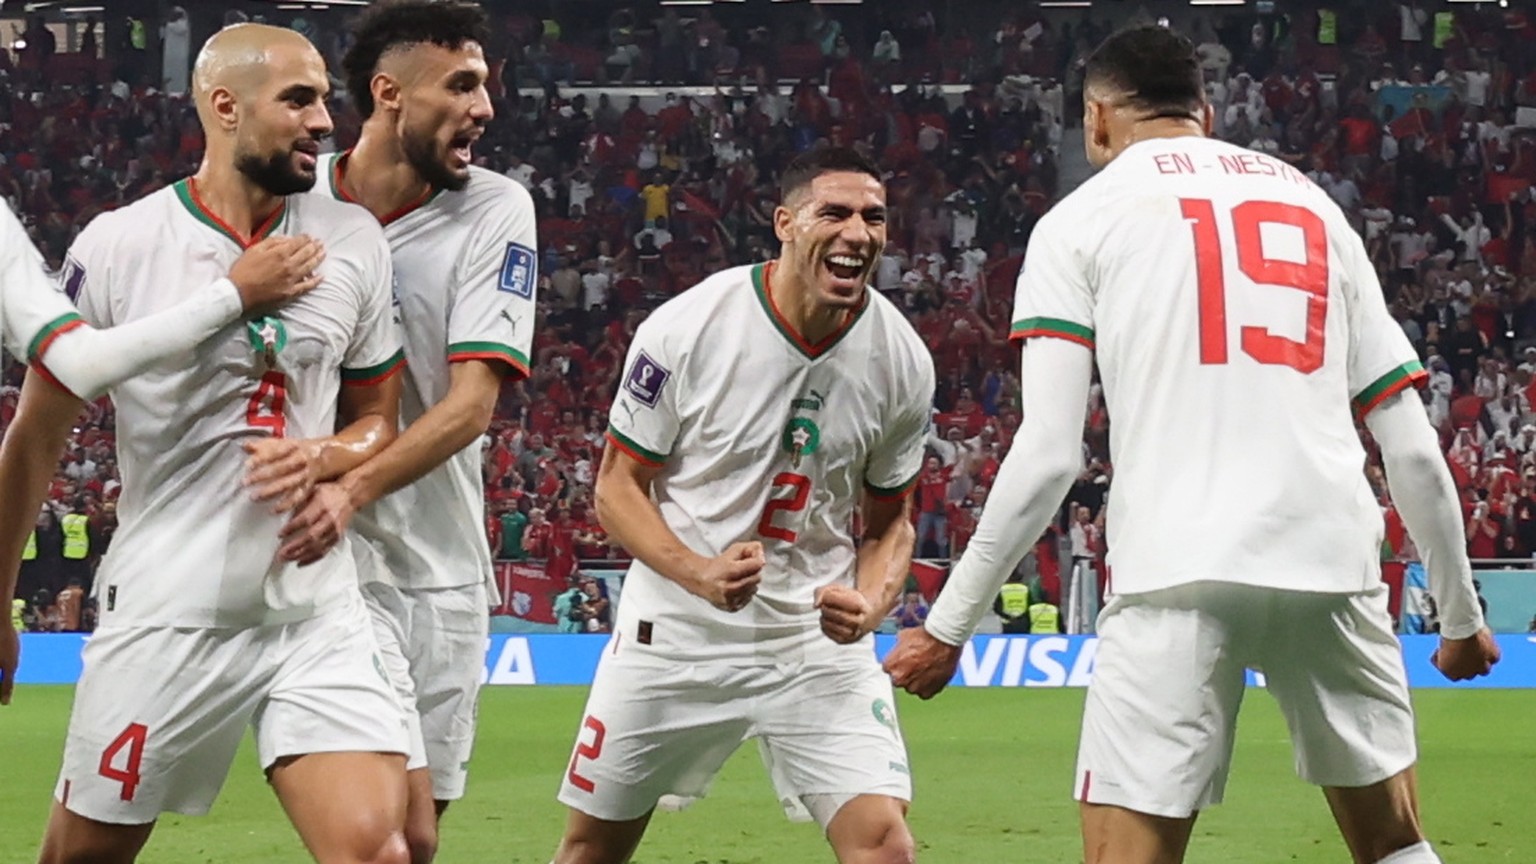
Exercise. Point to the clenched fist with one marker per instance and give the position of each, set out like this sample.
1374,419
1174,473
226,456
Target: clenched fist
731,578
846,614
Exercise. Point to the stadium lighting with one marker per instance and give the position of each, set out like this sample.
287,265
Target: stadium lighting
1218,2
686,2
81,10
1066,4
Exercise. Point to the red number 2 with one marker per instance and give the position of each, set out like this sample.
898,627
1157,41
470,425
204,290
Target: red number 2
133,739
265,410
802,486
587,751
1310,276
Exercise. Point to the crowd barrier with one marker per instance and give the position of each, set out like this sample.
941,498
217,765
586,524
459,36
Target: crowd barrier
989,661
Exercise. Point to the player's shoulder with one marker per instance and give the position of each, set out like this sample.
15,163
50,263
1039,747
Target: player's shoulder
893,326
133,219
486,188
728,290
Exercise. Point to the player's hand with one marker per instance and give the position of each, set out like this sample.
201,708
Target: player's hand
921,664
10,658
277,270
317,526
730,579
282,469
1465,659
845,613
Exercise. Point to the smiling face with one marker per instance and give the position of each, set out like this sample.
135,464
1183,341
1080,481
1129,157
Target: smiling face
277,141
833,232
441,107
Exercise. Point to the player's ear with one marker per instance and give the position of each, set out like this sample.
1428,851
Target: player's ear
386,91
783,223
1208,119
224,106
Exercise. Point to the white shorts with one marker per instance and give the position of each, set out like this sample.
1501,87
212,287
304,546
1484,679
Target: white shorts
433,641
654,727
159,711
1169,677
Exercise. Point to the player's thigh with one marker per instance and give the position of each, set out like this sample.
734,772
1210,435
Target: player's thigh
652,728
71,837
1335,668
1161,710
157,717
346,806
446,650
388,615
330,692
828,733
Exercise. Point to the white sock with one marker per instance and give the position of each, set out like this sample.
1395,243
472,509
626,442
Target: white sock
1418,853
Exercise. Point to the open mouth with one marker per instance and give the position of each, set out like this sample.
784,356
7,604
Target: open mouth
844,266
461,145
308,152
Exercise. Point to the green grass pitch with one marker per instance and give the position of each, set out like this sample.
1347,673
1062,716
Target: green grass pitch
992,769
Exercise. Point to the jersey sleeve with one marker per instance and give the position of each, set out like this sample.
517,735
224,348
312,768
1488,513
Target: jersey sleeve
376,351
644,420
1053,297
1382,361
894,463
34,310
494,300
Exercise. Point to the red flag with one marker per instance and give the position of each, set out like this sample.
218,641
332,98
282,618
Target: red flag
930,578
695,204
528,592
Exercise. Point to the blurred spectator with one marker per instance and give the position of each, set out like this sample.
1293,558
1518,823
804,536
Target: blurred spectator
912,612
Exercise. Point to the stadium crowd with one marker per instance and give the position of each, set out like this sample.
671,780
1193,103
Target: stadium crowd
1411,124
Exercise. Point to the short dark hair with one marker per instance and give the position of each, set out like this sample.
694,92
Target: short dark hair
824,160
397,23
1155,67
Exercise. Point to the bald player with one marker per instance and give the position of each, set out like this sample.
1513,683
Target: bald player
204,631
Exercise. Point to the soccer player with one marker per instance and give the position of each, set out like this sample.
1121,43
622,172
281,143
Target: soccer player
1236,321
759,411
40,325
203,631
465,260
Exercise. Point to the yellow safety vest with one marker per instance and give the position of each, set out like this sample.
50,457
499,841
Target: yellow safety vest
29,553
1044,618
1015,599
18,607
77,537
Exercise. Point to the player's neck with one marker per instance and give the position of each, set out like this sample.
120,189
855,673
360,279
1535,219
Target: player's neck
234,198
379,177
797,304
1162,127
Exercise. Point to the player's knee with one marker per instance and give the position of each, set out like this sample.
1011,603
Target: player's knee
897,847
393,849
371,847
422,842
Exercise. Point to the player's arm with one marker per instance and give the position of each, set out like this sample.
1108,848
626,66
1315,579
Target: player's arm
43,326
629,515
884,561
1034,477
1425,496
29,453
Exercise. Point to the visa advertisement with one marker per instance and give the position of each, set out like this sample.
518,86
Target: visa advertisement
988,661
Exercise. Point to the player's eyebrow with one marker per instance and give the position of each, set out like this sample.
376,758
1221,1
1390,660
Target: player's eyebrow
467,78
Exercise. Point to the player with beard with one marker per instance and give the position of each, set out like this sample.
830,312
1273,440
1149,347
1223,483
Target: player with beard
757,413
465,261
203,631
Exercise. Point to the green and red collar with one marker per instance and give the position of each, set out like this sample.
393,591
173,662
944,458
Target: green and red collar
338,169
760,281
186,192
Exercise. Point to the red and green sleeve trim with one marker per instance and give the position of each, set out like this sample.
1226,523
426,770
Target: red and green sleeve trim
634,450
42,372
1055,328
51,332
892,493
458,352
372,375
1410,374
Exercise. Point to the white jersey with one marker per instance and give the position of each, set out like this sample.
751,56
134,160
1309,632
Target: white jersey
466,270
1236,320
761,436
33,311
192,548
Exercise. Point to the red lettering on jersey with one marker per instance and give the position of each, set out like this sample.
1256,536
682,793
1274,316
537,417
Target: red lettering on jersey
1174,163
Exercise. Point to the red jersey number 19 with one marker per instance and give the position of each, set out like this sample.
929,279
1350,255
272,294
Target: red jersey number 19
1310,276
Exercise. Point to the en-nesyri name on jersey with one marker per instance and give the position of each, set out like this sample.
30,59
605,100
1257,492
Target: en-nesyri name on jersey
466,271
1236,320
759,435
192,548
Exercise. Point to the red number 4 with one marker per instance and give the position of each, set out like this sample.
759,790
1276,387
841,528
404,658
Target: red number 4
265,410
1310,276
587,751
133,740
801,485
